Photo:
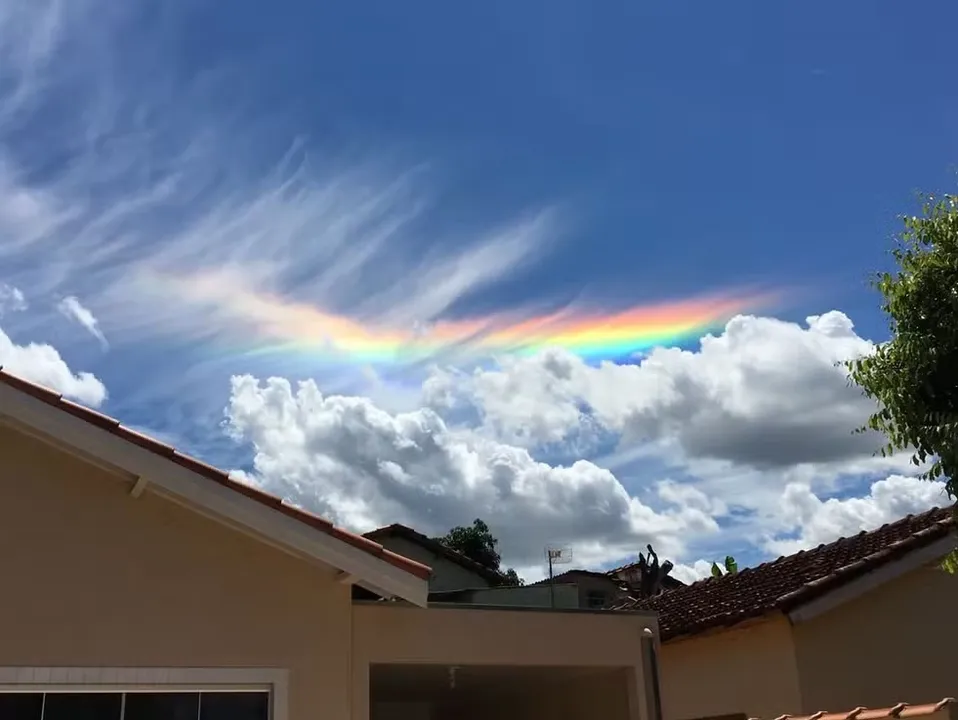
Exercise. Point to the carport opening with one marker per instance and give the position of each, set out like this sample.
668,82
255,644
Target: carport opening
413,691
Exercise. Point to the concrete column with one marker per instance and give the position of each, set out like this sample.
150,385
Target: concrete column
360,691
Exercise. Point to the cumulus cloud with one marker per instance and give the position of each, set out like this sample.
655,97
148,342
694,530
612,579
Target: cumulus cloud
764,393
12,299
820,521
42,364
364,467
70,307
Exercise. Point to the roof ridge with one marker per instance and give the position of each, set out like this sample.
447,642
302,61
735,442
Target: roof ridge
115,427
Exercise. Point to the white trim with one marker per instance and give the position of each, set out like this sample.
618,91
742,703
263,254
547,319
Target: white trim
872,580
126,679
224,503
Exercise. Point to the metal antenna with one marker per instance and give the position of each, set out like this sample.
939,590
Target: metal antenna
556,556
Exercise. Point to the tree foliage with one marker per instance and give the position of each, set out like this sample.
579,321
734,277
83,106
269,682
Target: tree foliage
728,567
477,543
651,574
914,376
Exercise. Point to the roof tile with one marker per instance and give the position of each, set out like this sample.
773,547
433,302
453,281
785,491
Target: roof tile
789,581
901,710
112,425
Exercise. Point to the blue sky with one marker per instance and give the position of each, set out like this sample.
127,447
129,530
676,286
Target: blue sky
622,154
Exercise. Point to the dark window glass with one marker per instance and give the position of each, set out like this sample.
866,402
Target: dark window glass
21,706
162,706
234,706
82,706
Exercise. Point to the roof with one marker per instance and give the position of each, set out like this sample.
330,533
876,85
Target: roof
668,582
433,545
902,710
570,575
213,474
788,582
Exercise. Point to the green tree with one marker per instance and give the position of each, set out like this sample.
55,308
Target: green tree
728,567
477,543
914,376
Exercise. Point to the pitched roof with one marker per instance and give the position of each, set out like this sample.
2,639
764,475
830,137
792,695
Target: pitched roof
668,582
790,581
209,472
947,707
436,547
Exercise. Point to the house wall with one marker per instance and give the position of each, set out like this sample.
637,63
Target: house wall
751,669
591,583
92,577
446,575
566,596
893,644
459,636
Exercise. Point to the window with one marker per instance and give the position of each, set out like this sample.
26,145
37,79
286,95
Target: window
94,705
596,599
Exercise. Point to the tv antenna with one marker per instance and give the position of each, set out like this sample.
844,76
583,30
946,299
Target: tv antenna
556,555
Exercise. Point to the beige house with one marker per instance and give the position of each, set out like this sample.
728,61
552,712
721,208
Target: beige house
868,620
139,583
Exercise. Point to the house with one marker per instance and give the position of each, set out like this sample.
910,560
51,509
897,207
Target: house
863,621
139,583
451,570
589,589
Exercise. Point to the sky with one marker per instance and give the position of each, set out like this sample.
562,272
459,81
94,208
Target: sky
588,272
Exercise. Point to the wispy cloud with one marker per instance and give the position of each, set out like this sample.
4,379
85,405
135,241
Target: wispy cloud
149,192
73,309
11,299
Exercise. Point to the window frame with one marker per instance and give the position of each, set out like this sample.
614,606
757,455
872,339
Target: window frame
275,681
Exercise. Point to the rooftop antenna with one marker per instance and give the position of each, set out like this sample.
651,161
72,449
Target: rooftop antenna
556,555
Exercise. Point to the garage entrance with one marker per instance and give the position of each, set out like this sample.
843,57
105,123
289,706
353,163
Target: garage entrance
450,692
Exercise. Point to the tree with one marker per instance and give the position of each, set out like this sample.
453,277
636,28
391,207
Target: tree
728,567
914,377
477,543
651,574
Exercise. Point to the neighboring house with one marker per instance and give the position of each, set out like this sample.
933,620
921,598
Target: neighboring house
867,620
631,576
451,570
139,583
591,589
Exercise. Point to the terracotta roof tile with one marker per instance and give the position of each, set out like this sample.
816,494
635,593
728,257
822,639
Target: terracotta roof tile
901,710
112,425
787,582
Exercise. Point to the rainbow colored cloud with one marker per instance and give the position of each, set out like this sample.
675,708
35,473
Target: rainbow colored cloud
282,326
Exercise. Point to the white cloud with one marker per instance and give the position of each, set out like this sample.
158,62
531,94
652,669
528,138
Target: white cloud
763,394
11,299
364,467
154,218
74,310
43,365
820,521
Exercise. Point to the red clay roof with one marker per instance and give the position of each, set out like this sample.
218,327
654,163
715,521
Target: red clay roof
209,472
436,547
786,583
901,710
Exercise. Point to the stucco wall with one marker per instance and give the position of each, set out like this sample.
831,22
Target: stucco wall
893,644
751,670
566,596
93,577
446,575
